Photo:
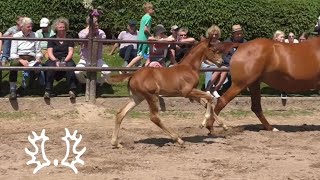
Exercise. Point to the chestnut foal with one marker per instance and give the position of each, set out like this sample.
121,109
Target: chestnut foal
180,80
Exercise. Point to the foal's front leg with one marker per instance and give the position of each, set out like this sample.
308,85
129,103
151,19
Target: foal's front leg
196,93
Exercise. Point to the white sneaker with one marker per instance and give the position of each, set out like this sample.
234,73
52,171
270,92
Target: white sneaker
209,93
216,94
284,96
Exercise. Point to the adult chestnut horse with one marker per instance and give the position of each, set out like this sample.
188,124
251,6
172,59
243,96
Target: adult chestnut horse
286,67
180,80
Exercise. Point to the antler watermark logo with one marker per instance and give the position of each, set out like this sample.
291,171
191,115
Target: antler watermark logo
64,161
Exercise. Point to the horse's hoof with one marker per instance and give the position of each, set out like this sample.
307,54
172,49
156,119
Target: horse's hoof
180,141
117,146
225,128
275,130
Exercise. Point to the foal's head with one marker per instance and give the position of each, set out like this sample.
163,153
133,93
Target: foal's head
218,50
209,53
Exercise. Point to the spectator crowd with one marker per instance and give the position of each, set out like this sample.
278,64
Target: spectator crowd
61,53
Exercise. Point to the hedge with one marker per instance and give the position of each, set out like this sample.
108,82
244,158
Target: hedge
259,18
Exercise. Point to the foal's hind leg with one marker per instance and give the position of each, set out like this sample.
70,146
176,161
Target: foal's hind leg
154,117
134,101
256,105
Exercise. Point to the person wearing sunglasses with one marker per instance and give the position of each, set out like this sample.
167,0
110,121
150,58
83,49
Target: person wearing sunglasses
181,50
291,38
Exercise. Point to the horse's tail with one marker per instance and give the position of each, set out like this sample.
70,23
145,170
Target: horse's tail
117,78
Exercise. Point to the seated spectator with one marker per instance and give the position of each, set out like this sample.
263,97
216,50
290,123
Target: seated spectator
278,36
0,46
291,38
181,50
128,51
303,37
60,55
23,53
214,32
237,37
84,53
172,53
158,52
7,43
45,32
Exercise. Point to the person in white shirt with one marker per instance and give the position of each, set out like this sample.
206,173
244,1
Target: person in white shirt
23,53
128,51
291,38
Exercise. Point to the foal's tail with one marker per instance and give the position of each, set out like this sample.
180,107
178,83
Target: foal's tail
117,78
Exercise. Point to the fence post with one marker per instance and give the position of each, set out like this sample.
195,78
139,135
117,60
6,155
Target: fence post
89,45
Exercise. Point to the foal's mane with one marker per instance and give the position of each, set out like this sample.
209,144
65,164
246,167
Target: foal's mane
192,47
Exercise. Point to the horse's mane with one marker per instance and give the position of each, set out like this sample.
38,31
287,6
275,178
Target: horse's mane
192,47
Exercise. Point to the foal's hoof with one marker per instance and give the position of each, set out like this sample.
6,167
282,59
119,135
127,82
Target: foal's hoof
225,127
180,141
117,146
275,130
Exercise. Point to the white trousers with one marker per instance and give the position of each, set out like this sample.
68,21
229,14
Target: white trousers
81,75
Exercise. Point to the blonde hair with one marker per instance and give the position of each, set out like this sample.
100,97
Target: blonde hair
183,29
60,20
277,34
211,29
147,5
25,21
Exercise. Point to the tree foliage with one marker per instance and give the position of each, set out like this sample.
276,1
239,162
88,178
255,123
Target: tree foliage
258,18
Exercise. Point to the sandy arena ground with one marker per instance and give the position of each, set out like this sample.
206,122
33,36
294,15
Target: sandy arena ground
244,152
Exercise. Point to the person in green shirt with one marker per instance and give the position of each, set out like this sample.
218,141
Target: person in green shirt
144,33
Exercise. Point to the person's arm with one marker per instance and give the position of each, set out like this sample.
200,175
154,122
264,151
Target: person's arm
117,45
70,52
38,50
50,54
114,48
14,50
188,40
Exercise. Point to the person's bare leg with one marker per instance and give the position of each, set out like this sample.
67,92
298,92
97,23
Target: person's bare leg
134,61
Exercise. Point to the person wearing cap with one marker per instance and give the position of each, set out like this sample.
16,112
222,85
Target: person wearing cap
158,52
172,48
84,53
237,37
128,51
45,32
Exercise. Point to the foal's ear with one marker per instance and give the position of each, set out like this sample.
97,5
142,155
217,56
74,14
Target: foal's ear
202,38
224,47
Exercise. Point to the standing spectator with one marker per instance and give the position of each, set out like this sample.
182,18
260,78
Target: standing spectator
7,43
144,33
60,54
23,53
128,51
45,32
84,53
291,38
317,26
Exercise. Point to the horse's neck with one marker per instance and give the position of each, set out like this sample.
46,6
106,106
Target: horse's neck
194,58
